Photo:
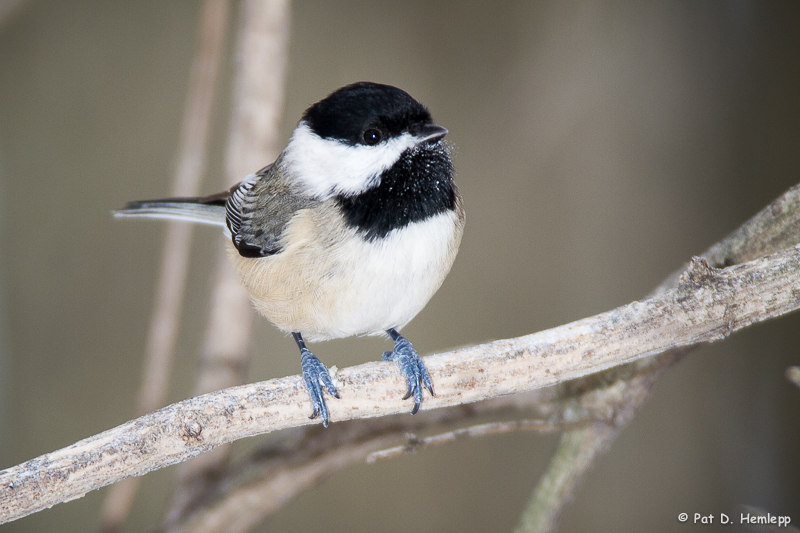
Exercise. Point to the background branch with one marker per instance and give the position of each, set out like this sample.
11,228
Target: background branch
414,444
258,103
166,316
708,305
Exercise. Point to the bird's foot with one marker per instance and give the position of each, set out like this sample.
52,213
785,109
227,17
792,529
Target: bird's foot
315,376
411,367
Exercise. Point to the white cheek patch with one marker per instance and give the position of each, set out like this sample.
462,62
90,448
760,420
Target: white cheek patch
326,167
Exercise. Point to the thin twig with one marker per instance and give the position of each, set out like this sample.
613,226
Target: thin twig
708,305
175,251
414,444
262,48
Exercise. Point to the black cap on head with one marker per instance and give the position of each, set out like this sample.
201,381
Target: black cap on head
366,113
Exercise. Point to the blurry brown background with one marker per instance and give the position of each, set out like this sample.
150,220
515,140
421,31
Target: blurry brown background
598,146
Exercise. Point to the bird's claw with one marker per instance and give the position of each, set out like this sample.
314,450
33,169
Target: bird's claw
315,376
411,368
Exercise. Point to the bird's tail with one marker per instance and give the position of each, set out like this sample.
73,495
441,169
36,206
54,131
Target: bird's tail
200,210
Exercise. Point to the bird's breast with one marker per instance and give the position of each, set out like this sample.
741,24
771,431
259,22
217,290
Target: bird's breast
330,282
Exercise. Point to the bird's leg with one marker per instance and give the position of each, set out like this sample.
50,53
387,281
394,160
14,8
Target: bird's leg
315,375
411,367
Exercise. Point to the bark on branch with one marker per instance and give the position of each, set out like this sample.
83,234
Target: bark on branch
707,305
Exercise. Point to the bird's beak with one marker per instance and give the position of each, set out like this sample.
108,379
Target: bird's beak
431,133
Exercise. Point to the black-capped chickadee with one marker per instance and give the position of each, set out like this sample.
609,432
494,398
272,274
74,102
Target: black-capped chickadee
349,232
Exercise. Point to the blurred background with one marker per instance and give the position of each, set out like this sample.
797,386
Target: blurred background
598,146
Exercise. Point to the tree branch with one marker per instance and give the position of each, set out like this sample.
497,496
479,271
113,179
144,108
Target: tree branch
774,228
262,47
708,305
164,322
277,471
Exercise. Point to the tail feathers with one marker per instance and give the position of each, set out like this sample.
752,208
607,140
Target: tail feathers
185,209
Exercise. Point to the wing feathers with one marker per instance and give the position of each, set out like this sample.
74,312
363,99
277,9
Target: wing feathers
258,211
255,211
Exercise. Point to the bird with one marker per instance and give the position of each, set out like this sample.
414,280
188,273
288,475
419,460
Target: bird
349,232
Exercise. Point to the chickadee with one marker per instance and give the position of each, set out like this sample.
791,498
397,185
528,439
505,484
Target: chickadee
349,232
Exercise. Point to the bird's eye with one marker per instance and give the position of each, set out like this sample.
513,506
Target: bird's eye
372,137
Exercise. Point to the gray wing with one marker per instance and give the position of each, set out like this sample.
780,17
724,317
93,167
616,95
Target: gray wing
258,210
